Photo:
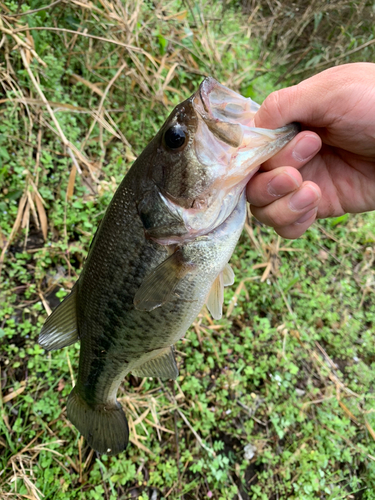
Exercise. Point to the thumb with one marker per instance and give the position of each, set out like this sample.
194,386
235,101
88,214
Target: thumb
299,103
319,100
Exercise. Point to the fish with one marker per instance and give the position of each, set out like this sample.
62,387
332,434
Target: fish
160,253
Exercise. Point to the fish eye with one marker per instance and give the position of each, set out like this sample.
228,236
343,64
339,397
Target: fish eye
175,137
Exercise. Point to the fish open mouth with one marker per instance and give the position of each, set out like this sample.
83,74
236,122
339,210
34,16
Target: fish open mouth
223,106
227,135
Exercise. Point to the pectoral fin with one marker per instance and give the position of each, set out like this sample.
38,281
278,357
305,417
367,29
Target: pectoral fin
162,366
60,328
215,298
228,275
159,285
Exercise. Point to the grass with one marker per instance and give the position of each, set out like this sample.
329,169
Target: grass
274,401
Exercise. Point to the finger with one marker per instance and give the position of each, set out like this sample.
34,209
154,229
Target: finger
297,152
317,101
292,104
290,209
297,229
264,188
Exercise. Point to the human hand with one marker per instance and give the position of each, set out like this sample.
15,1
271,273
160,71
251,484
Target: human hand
328,169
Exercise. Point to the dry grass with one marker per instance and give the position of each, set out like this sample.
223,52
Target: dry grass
307,37
119,45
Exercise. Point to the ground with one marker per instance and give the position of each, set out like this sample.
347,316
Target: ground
274,401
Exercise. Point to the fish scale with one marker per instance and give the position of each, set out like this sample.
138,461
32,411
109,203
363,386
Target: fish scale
160,252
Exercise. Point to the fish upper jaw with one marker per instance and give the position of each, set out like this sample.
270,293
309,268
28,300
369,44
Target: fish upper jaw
217,103
227,141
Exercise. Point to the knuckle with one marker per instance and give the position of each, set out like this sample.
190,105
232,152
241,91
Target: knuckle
289,232
274,215
278,218
274,105
257,191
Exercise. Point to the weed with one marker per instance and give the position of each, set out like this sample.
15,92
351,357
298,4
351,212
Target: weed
273,401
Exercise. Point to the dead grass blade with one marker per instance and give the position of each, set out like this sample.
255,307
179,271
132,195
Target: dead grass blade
241,286
20,42
66,143
16,226
370,429
14,394
336,59
88,84
26,215
99,111
33,210
131,48
72,179
45,303
42,215
28,12
348,412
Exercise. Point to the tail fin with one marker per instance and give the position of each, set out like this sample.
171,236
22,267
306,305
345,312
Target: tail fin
105,428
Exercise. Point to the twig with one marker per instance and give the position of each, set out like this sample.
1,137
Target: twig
97,114
20,42
34,10
197,437
50,111
334,59
115,42
177,442
15,227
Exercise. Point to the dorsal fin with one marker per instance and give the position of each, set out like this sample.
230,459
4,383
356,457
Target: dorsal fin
60,328
162,366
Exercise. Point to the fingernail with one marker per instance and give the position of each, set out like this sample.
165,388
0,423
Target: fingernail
307,216
306,147
304,198
282,184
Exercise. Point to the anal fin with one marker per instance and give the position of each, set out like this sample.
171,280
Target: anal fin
162,366
60,328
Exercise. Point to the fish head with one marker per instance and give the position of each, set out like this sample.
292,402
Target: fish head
175,168
206,152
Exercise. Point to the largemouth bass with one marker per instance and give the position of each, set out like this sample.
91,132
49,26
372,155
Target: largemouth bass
160,253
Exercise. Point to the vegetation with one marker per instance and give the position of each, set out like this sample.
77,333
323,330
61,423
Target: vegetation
274,401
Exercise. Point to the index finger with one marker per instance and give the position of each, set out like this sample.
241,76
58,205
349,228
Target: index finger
297,152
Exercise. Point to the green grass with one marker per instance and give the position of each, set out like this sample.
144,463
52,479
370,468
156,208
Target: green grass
286,376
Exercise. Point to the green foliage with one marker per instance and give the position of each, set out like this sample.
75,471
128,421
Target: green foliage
278,396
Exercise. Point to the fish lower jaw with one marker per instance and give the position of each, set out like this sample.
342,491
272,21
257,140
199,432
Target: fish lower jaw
192,235
194,230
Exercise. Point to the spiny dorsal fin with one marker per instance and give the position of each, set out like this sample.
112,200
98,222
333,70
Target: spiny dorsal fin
162,366
60,328
159,285
215,298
